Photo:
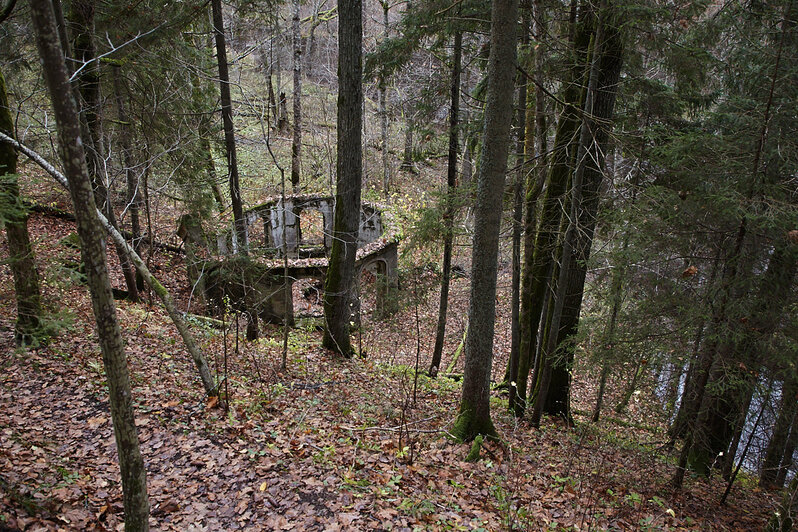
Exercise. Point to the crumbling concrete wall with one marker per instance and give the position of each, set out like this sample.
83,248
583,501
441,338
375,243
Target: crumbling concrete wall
257,287
249,287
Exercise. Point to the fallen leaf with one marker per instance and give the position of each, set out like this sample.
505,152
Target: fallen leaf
689,272
94,422
168,507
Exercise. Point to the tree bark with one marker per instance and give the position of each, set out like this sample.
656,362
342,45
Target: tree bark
518,222
134,485
596,127
383,109
534,144
537,276
133,196
542,373
229,133
448,217
340,281
27,330
134,201
81,16
474,415
296,142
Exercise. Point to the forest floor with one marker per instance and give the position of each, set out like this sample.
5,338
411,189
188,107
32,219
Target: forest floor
328,444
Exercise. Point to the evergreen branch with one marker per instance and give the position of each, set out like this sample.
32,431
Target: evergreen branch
6,12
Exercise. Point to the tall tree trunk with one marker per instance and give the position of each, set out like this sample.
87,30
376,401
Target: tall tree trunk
134,484
534,294
296,142
340,281
23,267
518,221
229,133
543,363
58,11
133,196
448,217
383,103
687,404
134,201
596,127
81,17
535,145
777,444
474,415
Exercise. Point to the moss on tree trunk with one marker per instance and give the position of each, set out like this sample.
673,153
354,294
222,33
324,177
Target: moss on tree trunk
469,425
23,267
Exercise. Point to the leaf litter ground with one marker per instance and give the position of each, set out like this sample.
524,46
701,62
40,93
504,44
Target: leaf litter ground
327,445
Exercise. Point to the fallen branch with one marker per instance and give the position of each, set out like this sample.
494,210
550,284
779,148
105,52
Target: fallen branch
162,293
457,352
400,428
207,320
396,429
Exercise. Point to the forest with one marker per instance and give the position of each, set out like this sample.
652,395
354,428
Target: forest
398,265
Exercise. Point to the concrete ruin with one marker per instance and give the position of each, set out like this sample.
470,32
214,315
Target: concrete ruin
302,227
